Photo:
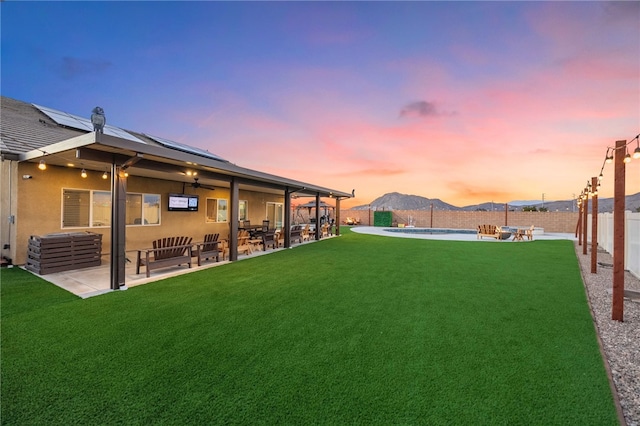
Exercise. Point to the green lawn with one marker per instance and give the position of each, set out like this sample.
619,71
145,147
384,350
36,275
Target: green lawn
353,330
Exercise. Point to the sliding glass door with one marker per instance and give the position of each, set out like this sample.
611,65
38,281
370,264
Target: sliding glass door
275,215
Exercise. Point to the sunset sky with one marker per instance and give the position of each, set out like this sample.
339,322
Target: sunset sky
463,101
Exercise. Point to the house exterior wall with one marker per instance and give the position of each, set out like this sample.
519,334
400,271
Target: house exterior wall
38,208
551,221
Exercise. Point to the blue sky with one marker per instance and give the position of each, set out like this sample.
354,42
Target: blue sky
463,101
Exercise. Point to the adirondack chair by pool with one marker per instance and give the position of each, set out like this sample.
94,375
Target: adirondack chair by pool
172,251
492,231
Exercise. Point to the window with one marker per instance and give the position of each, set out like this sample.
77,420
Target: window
143,209
133,211
87,209
101,208
216,210
243,209
76,206
151,209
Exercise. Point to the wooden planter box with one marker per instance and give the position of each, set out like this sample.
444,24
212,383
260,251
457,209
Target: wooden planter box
63,252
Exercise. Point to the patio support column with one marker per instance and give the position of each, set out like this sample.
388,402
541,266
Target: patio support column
317,216
337,215
594,225
585,216
618,232
118,226
234,195
287,218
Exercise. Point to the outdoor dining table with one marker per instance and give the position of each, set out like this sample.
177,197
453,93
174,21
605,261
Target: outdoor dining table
253,229
250,227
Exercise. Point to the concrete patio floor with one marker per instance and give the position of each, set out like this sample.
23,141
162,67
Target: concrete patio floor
94,281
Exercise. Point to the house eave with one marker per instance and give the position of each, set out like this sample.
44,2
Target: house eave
179,159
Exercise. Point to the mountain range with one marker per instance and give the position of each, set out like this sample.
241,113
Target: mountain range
398,201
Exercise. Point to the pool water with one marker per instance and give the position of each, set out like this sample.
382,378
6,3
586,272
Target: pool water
431,231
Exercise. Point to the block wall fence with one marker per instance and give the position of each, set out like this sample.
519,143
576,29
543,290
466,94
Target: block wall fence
565,222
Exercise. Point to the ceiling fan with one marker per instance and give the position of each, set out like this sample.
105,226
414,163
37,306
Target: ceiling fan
195,184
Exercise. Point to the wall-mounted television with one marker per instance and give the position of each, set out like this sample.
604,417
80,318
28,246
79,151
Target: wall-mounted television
183,203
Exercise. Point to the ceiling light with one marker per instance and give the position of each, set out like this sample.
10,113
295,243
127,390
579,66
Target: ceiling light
42,165
83,173
105,175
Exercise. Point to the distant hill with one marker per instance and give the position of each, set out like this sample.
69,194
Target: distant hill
398,201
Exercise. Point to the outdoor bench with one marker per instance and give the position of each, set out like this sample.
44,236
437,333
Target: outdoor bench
173,251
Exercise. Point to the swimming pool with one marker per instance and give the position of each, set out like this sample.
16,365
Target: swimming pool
431,231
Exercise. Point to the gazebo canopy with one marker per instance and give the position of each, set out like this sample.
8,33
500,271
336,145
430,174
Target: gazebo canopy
312,204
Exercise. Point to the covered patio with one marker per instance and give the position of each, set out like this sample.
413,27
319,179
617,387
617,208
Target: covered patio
51,156
95,281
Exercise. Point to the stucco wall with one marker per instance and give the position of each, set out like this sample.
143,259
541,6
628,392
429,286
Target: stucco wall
38,208
550,221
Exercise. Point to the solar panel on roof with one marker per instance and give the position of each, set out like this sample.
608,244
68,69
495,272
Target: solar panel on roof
184,148
75,122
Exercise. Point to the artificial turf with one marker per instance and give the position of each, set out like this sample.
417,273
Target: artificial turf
352,330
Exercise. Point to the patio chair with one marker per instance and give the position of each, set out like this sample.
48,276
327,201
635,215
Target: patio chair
243,242
529,232
209,248
306,233
269,240
280,238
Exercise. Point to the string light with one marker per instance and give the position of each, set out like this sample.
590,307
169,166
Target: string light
636,152
608,159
